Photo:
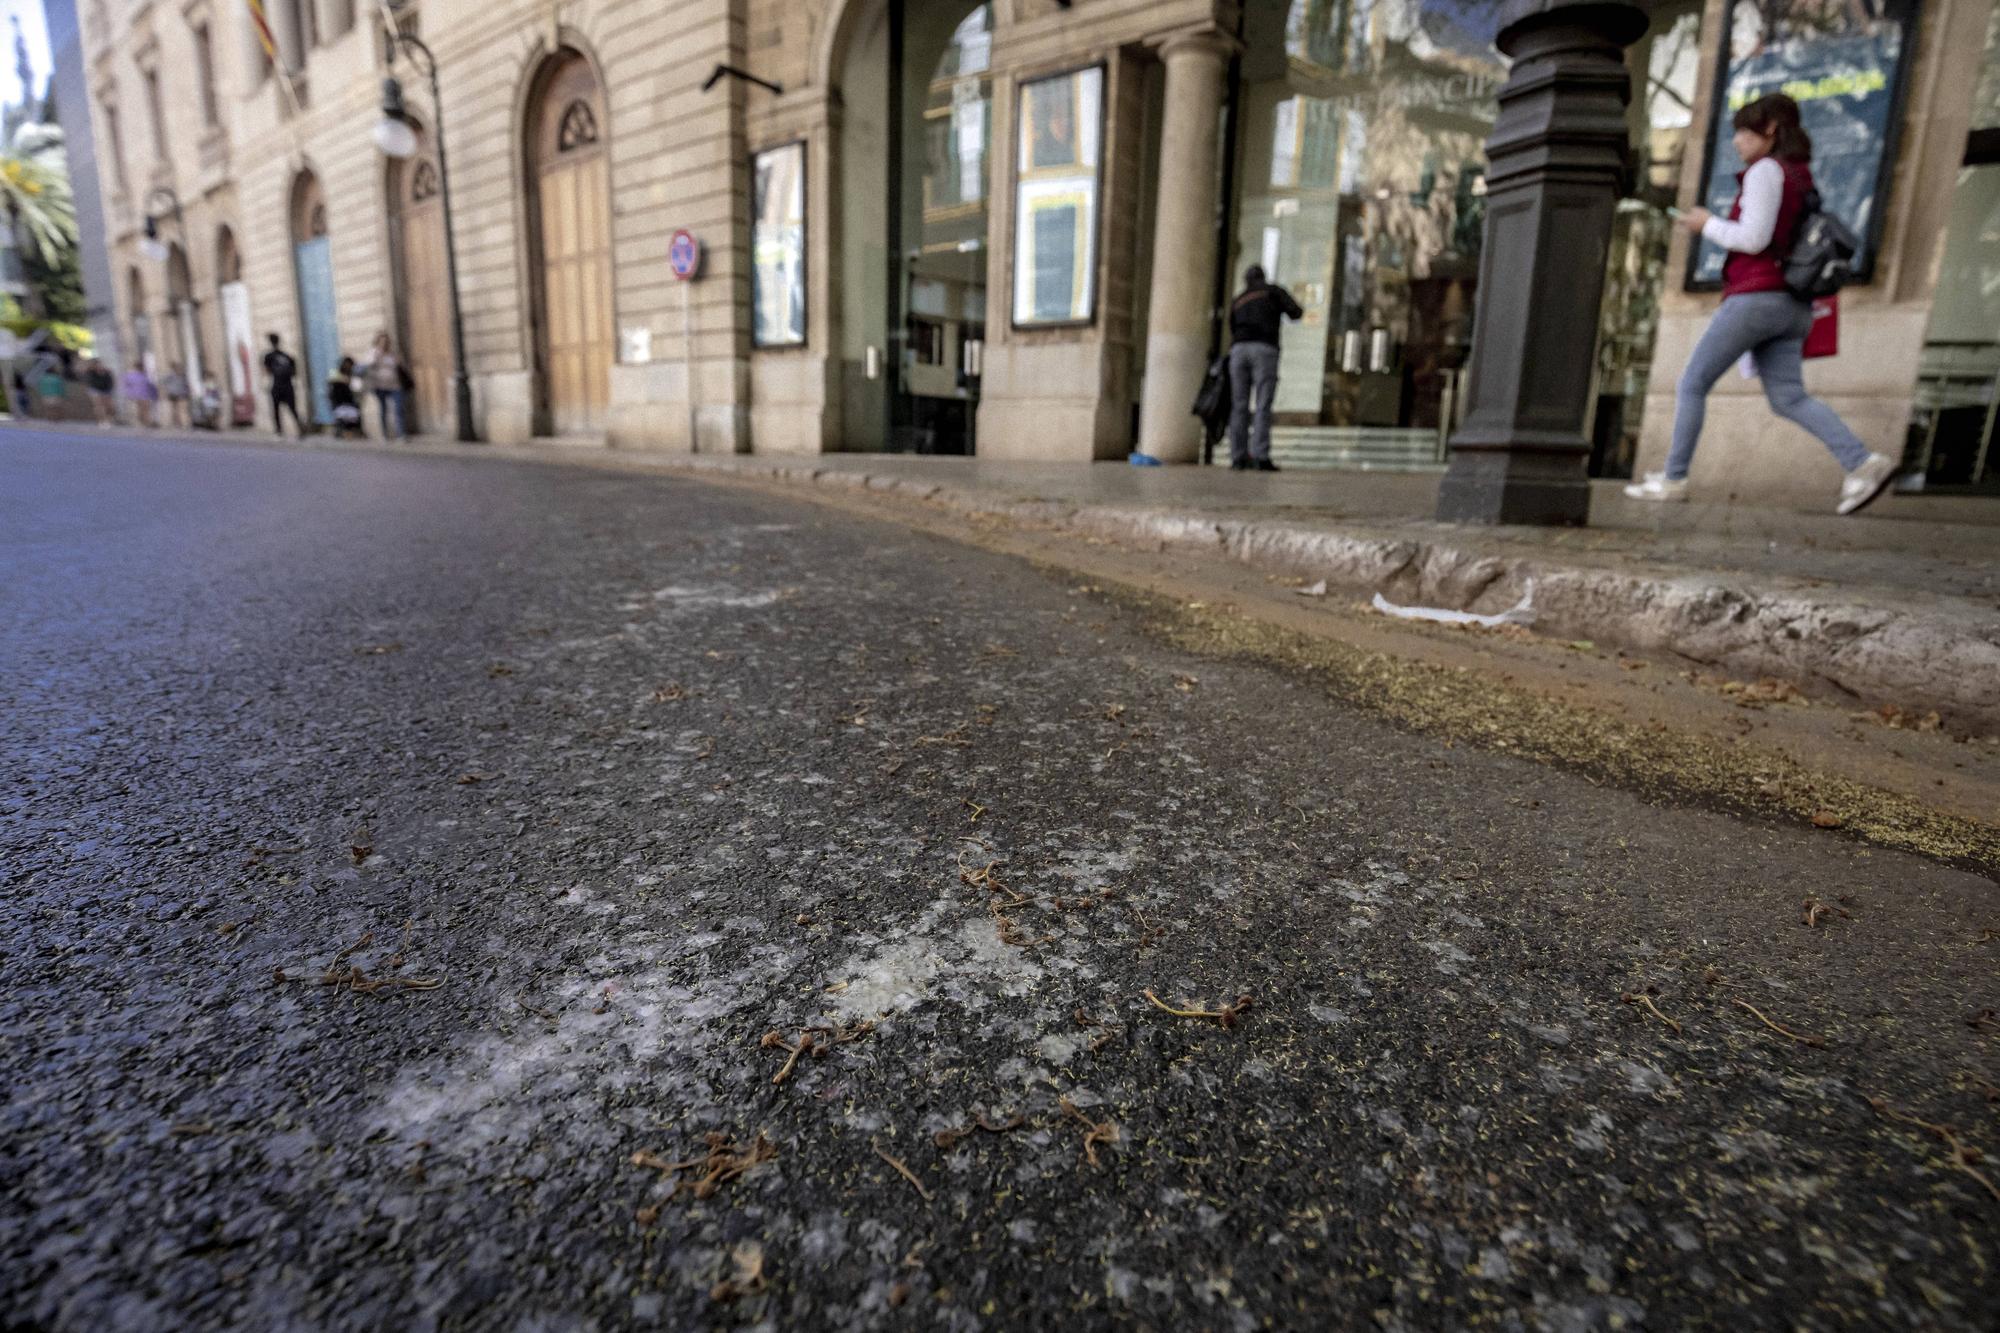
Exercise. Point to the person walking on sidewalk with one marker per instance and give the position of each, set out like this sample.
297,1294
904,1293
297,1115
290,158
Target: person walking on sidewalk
387,377
283,373
174,388
1759,316
1254,320
103,386
142,393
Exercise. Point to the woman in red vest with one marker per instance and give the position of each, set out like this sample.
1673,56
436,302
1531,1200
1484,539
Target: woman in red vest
1758,315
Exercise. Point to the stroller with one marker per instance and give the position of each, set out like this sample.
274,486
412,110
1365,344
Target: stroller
345,401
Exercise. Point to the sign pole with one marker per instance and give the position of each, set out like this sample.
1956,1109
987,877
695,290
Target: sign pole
687,363
684,258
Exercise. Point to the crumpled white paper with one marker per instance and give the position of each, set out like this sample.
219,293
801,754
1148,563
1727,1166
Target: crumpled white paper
1521,613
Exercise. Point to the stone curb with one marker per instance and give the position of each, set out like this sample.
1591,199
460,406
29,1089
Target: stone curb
1942,656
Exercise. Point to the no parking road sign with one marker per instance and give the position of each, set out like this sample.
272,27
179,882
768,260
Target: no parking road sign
684,255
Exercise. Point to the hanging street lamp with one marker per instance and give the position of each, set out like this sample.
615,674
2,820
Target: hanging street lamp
396,137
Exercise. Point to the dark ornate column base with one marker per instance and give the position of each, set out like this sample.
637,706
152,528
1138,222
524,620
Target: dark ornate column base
1557,161
1515,485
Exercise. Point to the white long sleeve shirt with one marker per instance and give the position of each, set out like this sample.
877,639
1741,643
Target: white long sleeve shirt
1763,192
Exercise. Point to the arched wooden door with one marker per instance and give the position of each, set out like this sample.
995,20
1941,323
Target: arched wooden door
419,213
572,220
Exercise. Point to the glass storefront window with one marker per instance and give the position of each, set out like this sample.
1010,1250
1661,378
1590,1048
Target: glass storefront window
1844,64
1361,145
778,247
1954,436
1666,71
1361,140
1055,205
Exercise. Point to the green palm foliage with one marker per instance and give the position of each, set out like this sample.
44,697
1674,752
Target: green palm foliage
34,190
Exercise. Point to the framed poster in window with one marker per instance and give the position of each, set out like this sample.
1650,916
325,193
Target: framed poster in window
778,247
1060,129
1845,62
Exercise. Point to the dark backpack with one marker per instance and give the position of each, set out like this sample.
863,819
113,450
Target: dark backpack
1211,401
1821,261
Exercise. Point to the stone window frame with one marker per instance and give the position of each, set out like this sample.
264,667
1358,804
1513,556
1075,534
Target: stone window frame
200,22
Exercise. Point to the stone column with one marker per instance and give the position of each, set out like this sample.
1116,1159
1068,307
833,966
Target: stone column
1184,246
1557,161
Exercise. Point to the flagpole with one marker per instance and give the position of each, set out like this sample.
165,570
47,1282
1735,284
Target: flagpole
270,45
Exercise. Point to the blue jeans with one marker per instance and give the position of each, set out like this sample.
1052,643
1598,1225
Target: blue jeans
1253,383
1772,327
384,400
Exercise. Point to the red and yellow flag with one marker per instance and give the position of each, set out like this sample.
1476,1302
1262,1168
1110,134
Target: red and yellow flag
263,30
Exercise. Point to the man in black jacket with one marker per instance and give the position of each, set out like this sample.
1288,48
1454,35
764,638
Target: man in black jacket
1254,318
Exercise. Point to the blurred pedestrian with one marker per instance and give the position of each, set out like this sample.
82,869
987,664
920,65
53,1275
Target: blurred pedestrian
283,374
1759,316
103,386
142,393
53,388
390,380
174,388
1254,321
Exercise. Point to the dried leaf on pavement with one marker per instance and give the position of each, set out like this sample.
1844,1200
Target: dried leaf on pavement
748,1258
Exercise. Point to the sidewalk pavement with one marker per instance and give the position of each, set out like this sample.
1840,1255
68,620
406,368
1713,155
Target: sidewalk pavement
1896,607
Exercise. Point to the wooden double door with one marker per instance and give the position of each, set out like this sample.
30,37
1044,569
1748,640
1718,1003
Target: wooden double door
574,323
426,289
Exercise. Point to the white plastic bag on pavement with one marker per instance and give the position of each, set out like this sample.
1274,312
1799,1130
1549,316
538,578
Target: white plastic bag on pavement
1521,613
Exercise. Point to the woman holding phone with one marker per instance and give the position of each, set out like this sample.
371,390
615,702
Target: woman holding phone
1759,316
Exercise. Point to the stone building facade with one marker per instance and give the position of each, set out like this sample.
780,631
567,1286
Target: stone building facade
939,225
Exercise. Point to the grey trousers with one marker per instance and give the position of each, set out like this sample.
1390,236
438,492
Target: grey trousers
1253,383
1772,327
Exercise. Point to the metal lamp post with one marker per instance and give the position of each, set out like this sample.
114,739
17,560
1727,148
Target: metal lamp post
1557,160
161,202
395,137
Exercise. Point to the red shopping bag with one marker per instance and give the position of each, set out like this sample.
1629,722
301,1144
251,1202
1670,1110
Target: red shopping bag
1824,339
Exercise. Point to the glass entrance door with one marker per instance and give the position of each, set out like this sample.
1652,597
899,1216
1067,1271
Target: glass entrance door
940,201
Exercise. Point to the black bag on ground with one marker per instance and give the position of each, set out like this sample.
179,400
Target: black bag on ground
1821,261
1211,402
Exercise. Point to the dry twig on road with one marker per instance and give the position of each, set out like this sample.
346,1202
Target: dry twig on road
1777,1027
1095,1132
724,1161
1226,1015
1646,1002
1962,1155
901,1169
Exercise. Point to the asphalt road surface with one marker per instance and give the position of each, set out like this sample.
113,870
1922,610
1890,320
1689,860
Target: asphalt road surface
416,875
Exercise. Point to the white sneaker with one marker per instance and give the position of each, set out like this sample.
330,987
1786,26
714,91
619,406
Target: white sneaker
1657,487
1865,483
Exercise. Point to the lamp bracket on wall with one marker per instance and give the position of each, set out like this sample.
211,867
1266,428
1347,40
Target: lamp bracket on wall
742,74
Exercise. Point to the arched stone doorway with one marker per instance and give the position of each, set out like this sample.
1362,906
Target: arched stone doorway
915,149
570,245
312,264
239,338
184,313
423,307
